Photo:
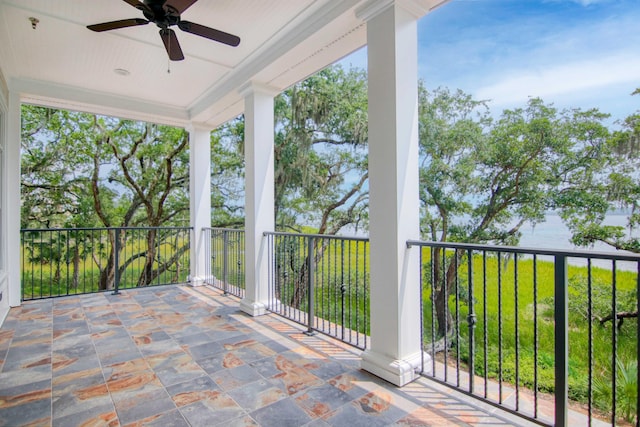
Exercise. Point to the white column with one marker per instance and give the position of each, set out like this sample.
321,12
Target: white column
393,190
199,199
259,192
12,206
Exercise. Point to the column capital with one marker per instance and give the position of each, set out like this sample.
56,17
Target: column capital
373,8
252,87
192,127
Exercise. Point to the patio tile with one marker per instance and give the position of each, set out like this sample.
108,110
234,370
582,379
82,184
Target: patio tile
12,395
3,355
135,387
322,400
184,330
63,365
231,378
354,415
120,370
267,367
292,377
386,402
175,367
257,394
109,336
212,407
283,413
102,416
94,397
76,347
67,337
27,356
327,369
194,339
245,421
154,343
143,406
204,351
16,378
218,362
354,383
36,413
119,354
171,418
184,356
426,417
5,339
247,350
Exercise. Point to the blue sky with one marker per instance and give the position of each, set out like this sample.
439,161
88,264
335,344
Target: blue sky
572,53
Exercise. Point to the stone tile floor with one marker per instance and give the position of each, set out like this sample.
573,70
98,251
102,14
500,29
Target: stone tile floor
181,356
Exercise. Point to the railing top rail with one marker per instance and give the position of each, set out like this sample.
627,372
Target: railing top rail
528,251
223,229
39,230
320,236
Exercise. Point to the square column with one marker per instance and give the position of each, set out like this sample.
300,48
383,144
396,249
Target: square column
394,207
199,200
11,202
259,193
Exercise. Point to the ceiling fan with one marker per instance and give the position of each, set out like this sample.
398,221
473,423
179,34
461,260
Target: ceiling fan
166,14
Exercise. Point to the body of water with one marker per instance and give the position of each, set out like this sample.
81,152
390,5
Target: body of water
553,234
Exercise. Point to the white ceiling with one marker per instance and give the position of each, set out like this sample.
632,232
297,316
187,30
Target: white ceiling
61,63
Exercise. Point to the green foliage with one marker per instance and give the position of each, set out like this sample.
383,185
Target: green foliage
227,175
479,176
626,389
496,312
589,195
83,170
320,152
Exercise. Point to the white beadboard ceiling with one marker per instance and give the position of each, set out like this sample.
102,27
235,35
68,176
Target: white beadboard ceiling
61,63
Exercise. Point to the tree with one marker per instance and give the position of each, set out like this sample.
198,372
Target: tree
83,170
320,163
320,152
588,198
227,174
481,179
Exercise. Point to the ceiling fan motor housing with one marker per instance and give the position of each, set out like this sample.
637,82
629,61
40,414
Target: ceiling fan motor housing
165,14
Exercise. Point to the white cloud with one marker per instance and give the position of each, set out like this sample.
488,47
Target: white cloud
563,79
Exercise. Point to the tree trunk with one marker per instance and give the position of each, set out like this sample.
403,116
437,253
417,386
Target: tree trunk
442,285
76,266
147,275
107,274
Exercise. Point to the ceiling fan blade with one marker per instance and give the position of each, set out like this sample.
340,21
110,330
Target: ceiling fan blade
209,33
139,5
177,5
114,25
171,44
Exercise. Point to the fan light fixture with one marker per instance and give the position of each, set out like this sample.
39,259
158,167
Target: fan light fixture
166,14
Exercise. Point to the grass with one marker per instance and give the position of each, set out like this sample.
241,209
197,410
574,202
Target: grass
515,326
49,268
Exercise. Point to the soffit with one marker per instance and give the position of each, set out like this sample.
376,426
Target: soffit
63,64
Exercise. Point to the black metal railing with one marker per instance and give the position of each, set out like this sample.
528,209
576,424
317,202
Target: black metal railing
321,282
59,262
226,266
535,332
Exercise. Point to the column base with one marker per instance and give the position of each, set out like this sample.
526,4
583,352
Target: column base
196,281
397,371
253,308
